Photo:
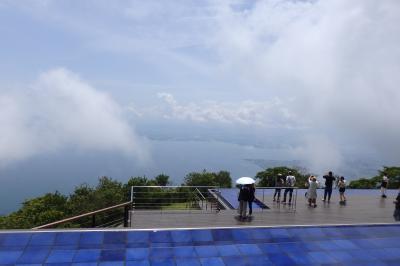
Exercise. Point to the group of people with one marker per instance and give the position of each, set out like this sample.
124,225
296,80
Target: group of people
246,193
289,182
312,185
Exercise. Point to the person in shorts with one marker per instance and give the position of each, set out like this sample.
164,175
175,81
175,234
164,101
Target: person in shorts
342,188
384,185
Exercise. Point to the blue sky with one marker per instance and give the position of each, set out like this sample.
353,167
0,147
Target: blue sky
318,78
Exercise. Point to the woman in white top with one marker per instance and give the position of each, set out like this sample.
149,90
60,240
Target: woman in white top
384,185
312,191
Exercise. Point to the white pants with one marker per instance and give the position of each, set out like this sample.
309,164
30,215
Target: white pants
243,208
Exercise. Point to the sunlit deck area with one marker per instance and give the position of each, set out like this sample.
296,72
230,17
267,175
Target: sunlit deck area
362,207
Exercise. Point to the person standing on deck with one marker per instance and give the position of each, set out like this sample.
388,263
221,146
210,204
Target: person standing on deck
290,182
278,184
312,191
328,186
384,185
396,213
244,195
252,191
342,189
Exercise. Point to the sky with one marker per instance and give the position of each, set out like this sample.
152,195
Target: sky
317,78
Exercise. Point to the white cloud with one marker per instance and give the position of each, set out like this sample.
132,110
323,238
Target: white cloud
338,59
61,111
270,114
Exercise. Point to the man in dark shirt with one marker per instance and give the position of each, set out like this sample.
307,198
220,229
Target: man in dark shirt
397,208
244,196
328,186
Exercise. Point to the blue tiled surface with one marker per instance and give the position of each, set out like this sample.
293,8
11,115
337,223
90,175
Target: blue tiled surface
335,245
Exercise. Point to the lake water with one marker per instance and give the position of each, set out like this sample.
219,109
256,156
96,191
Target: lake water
65,170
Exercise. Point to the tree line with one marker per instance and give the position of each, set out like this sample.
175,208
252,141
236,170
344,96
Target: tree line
52,207
55,206
393,174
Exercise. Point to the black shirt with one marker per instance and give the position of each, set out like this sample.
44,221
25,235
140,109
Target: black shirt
329,180
244,194
252,191
398,201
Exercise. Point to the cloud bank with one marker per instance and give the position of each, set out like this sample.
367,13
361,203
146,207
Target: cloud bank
267,114
60,111
339,59
333,64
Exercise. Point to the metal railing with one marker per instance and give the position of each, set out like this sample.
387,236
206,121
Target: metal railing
108,217
267,194
168,198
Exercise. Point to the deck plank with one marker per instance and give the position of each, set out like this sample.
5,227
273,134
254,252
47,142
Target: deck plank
360,209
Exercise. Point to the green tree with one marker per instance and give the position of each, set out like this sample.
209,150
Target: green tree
135,182
41,210
392,172
82,200
200,179
223,179
162,180
363,183
109,192
204,178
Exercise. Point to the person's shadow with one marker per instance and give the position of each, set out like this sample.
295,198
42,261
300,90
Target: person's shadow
382,203
244,220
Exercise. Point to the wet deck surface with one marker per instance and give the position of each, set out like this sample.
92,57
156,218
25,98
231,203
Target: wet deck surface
361,208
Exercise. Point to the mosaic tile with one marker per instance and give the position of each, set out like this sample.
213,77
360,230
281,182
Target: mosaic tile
335,245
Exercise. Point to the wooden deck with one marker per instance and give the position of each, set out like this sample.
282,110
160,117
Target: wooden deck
360,209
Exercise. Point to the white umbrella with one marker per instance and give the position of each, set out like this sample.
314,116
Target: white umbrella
245,181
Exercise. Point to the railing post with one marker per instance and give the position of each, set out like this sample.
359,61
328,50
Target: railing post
126,215
94,220
263,195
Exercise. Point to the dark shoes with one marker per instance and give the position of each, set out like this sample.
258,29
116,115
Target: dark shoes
384,196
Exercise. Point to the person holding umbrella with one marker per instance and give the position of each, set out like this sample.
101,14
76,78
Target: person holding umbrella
252,191
244,195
